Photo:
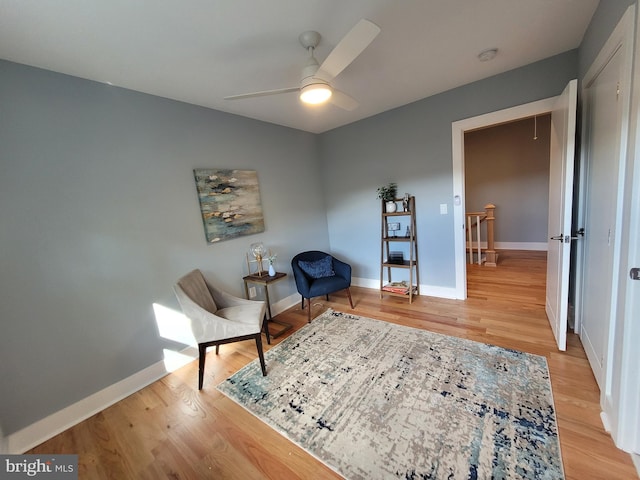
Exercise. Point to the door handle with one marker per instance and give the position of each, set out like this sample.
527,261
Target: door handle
567,238
580,232
563,238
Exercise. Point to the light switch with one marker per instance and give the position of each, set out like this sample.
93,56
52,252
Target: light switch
443,209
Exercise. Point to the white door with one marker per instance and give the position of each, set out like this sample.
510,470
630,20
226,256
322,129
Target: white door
563,129
603,127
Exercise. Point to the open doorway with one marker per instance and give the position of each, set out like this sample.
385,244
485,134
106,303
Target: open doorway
561,167
561,160
507,165
530,110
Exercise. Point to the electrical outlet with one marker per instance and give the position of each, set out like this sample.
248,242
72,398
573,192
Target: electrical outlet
443,209
252,292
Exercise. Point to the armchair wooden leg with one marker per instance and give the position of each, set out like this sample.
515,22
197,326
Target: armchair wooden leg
309,311
261,354
302,305
349,295
202,355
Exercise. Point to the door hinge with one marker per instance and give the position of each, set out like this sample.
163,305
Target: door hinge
618,91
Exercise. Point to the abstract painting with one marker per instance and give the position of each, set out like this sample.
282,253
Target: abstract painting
230,203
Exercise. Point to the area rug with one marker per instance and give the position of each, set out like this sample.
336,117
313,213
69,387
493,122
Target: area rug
375,400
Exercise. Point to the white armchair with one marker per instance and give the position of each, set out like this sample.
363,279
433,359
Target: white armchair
217,317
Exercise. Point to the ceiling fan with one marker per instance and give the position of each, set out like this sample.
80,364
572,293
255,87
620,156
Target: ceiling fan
315,87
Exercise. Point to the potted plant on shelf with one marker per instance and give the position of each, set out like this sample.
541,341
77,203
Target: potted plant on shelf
388,194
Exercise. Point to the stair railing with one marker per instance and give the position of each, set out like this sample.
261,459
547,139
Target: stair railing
474,220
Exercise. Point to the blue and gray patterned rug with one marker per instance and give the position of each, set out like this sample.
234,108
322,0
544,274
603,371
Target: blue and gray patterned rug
375,400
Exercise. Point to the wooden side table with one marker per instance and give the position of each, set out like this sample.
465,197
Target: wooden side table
265,280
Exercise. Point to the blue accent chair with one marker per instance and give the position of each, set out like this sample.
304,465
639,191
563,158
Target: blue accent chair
317,273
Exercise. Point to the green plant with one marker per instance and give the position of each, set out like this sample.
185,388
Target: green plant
388,192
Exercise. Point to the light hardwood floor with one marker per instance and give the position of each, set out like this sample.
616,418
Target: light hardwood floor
171,430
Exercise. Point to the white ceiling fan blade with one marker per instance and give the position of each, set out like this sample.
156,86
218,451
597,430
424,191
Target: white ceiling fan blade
263,93
348,49
342,100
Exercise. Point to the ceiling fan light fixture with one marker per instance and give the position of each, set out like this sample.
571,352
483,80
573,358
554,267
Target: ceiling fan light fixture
315,93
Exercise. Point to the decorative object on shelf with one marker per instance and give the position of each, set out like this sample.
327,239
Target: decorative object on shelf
387,194
401,288
405,203
271,259
408,232
396,257
393,227
229,202
258,251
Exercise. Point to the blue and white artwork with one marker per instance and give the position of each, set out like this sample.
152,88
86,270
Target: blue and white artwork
230,203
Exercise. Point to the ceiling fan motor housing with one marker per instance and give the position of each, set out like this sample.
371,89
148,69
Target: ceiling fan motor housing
308,72
314,85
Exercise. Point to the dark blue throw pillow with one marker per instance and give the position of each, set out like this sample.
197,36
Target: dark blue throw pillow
318,268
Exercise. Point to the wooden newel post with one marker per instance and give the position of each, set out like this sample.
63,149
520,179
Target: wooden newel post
491,258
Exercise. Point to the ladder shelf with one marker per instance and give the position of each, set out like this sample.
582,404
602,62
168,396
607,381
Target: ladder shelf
393,248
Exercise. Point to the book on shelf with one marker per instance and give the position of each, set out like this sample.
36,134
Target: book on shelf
397,287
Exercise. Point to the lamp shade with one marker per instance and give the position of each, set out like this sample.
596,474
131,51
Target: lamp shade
258,250
315,93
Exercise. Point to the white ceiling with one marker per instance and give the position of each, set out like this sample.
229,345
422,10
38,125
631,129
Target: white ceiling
199,51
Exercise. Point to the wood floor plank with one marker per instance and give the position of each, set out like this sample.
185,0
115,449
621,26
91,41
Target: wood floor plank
170,430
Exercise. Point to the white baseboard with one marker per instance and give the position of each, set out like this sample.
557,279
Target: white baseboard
284,304
436,291
428,290
636,461
537,246
42,430
606,423
365,282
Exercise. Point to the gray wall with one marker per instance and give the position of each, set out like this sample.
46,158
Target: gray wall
411,145
506,166
99,216
605,19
